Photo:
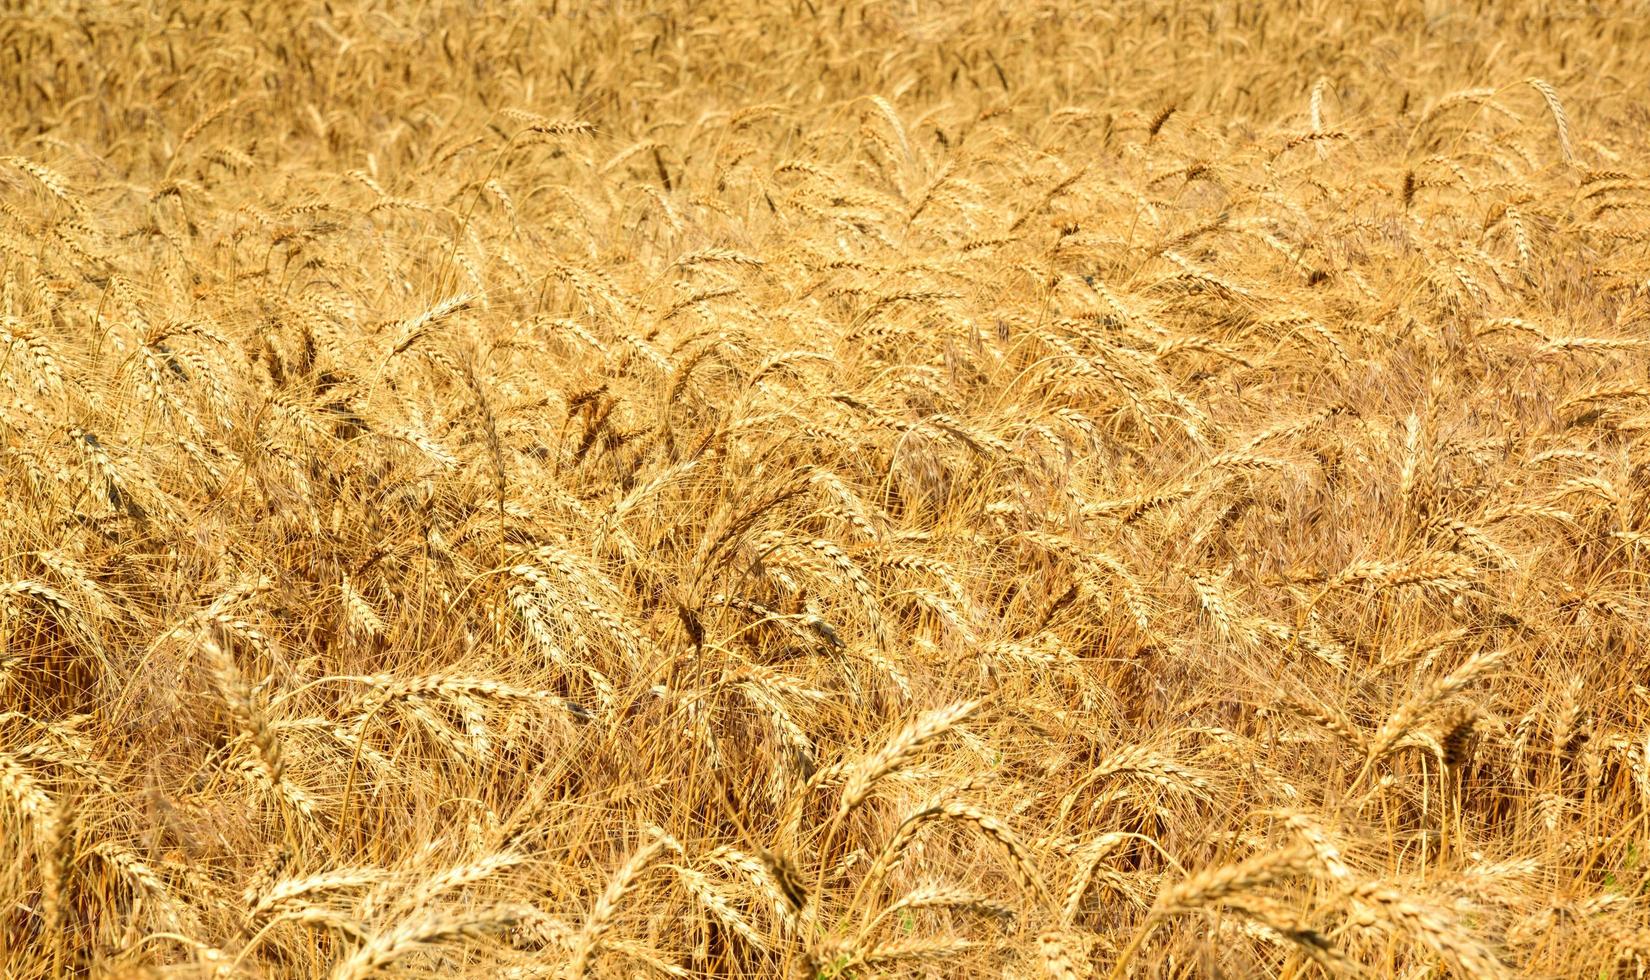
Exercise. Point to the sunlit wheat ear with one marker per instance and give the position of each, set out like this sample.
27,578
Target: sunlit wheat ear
1412,712
600,919
936,896
1330,720
1219,882
1217,886
1560,119
422,893
773,875
934,951
1065,955
422,933
1143,762
48,180
42,819
1382,904
900,750
1088,860
170,911
268,760
715,902
990,827
296,891
1318,838
265,874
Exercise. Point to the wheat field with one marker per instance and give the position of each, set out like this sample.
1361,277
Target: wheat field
884,489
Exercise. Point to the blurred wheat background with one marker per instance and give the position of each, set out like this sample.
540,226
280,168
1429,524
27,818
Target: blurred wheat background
824,491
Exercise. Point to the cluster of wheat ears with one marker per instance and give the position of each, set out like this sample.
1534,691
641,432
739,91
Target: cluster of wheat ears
895,489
